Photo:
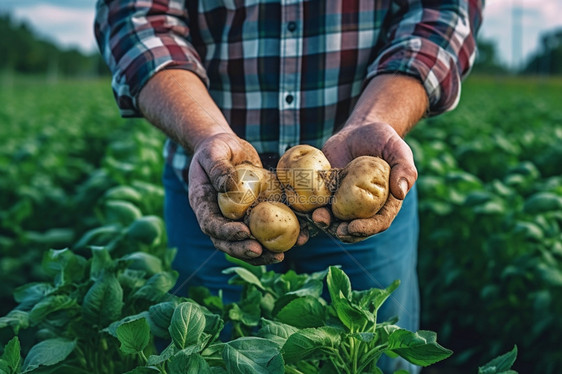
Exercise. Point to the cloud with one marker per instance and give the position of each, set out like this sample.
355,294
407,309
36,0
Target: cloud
68,26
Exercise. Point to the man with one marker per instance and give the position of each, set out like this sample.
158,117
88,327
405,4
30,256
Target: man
243,80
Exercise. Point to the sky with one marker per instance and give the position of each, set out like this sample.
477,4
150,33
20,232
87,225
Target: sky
514,25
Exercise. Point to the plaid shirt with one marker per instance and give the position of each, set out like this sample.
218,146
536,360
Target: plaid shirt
287,72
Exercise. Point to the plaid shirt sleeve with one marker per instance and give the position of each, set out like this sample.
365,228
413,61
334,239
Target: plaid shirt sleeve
435,42
140,38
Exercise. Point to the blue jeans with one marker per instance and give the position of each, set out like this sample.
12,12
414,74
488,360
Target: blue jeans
375,262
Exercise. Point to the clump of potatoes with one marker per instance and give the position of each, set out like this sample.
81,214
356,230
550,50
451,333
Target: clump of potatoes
304,180
255,194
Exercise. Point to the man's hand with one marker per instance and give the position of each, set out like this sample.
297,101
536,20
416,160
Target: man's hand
388,108
178,103
373,139
212,163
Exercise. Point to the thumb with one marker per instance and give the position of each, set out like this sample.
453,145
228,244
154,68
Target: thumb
403,172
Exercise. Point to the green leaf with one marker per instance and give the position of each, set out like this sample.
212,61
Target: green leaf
351,316
160,316
157,286
184,363
338,284
64,266
144,261
248,310
420,348
133,335
12,355
310,343
28,295
252,355
49,305
112,328
187,325
48,352
103,302
148,230
120,212
258,271
246,275
101,262
277,332
164,356
500,364
16,319
303,312
374,298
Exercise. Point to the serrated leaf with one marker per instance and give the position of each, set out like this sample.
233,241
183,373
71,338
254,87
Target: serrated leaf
187,325
48,352
133,335
309,343
112,328
252,355
420,348
12,355
165,355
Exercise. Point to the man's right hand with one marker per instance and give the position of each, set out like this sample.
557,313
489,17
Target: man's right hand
212,163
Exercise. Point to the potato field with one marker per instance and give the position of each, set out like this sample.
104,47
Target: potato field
86,275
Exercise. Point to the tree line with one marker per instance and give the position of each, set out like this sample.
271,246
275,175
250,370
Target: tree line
26,53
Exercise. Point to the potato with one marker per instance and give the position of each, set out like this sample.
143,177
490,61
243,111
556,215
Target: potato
274,225
271,189
243,189
363,189
300,171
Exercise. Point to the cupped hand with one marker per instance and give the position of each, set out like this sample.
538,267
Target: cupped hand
371,139
213,161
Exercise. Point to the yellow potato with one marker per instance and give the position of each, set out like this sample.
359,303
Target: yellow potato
243,189
274,225
271,189
363,189
300,172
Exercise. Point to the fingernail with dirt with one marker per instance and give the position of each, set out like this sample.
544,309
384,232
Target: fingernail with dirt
252,254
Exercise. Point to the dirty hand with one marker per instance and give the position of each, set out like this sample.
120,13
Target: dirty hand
371,139
212,163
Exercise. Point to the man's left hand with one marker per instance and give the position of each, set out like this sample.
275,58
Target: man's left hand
370,139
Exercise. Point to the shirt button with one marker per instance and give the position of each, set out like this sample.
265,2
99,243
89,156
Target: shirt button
289,99
292,26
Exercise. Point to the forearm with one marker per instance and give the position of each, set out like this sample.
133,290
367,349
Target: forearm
398,100
178,103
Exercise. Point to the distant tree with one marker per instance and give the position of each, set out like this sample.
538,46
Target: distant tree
24,52
548,60
487,59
